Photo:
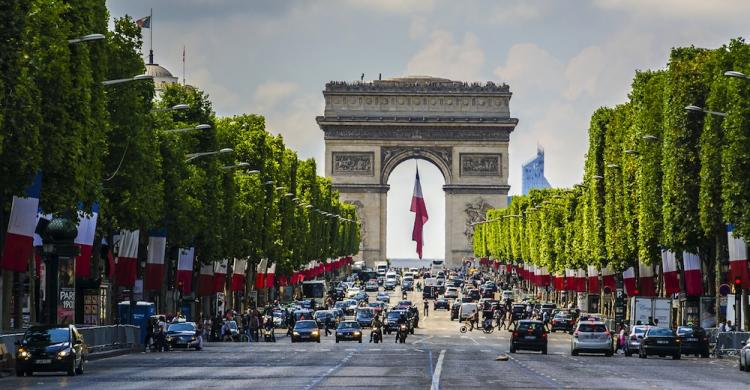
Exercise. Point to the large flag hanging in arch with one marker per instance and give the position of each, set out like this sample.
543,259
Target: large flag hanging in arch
420,215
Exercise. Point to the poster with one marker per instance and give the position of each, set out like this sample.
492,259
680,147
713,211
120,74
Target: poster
708,312
66,302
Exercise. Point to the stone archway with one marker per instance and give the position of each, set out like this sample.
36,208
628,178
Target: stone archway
463,129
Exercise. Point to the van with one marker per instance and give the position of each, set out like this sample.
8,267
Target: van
390,275
467,310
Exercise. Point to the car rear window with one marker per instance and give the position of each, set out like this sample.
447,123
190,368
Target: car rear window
526,326
660,332
592,328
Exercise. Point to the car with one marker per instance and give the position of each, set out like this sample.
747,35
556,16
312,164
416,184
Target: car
744,359
590,317
441,303
451,292
306,330
182,334
351,306
371,286
633,342
389,284
467,310
51,348
407,284
349,330
455,307
591,336
659,341
303,314
352,291
518,311
338,313
391,320
362,296
405,303
383,297
456,282
506,295
429,292
562,321
280,318
547,308
321,316
365,316
693,341
529,335
474,294
341,305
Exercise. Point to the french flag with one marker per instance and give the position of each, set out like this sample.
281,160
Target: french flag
545,276
260,274
185,269
220,276
420,215
85,240
127,256
270,276
206,280
693,278
608,278
669,268
570,279
19,239
628,280
157,247
238,275
559,281
593,279
646,280
737,258
581,280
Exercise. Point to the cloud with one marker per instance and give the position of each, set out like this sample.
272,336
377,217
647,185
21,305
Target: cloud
680,9
444,57
518,12
584,71
270,93
393,6
418,27
529,68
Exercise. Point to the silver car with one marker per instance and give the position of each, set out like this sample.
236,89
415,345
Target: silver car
591,337
745,357
633,342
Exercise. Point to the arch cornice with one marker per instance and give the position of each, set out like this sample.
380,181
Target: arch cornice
392,156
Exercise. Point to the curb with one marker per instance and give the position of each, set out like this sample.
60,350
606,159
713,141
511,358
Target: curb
110,353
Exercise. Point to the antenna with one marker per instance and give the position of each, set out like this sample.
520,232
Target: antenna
183,66
362,78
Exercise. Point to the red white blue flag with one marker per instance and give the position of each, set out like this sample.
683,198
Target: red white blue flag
737,258
420,215
157,248
85,240
19,238
185,269
127,256
669,269
693,277
144,22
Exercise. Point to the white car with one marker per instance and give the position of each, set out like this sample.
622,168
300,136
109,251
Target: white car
352,291
745,357
591,337
467,310
451,292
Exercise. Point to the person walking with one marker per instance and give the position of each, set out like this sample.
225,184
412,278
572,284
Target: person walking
327,326
426,308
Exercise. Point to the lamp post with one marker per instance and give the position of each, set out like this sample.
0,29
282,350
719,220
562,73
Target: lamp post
86,38
127,80
193,156
199,127
238,165
693,108
736,74
176,107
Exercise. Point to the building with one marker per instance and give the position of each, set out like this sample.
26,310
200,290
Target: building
532,175
162,77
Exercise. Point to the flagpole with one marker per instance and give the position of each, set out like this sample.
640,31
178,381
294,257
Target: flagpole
151,37
183,66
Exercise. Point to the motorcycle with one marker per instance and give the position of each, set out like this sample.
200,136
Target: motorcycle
377,335
268,335
402,332
487,326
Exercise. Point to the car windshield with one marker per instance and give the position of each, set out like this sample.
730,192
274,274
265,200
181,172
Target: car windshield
186,327
529,326
305,325
563,317
660,332
639,330
592,328
394,315
349,325
366,313
278,314
322,314
340,304
47,336
404,303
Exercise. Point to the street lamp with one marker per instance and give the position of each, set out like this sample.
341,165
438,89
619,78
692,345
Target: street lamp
269,183
289,194
703,110
135,78
597,177
309,206
650,137
193,156
253,171
613,166
279,188
199,127
734,73
630,151
238,165
86,38
173,108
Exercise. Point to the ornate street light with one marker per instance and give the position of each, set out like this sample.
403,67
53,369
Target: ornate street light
135,78
86,38
199,127
193,156
238,165
176,107
734,73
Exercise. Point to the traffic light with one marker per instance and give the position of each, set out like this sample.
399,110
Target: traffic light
737,282
636,292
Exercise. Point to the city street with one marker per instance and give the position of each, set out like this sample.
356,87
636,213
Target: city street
437,356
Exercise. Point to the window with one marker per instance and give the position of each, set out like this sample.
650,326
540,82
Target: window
185,327
47,336
592,328
660,332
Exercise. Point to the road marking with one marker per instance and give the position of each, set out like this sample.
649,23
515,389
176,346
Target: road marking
485,350
330,370
438,370
423,340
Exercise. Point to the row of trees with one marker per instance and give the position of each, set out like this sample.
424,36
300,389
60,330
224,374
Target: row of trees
108,144
656,176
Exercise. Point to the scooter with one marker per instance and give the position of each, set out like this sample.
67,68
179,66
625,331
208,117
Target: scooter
377,335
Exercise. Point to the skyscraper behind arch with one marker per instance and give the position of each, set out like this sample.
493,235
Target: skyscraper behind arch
532,175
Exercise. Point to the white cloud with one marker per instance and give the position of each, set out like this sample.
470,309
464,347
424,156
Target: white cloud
681,9
270,93
517,12
418,27
393,6
529,68
295,121
583,72
444,57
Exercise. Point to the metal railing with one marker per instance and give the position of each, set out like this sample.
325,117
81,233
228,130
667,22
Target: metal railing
97,338
728,343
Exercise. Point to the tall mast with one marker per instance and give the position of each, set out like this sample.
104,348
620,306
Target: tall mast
151,39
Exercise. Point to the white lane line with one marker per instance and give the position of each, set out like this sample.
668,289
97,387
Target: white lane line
423,340
330,370
438,370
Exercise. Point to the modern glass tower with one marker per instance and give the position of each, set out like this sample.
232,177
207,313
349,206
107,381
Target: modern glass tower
533,173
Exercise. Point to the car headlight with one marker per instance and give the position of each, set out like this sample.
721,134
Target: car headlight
169,338
62,354
356,333
295,333
23,354
314,333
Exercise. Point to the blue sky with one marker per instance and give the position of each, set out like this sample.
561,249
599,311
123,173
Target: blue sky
562,60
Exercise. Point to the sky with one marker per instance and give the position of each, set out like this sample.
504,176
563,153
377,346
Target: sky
562,60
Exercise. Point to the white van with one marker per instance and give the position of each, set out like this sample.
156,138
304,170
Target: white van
390,275
467,310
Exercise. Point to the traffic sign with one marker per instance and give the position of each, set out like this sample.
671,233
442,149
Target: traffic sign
724,290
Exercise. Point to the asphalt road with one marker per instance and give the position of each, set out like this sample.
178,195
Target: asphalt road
436,357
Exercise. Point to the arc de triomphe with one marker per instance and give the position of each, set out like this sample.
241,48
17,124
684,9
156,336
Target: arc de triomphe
462,128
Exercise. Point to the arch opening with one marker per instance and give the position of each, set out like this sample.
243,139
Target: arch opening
400,220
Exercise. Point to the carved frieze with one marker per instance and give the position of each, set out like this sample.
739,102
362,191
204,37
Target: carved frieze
475,212
404,132
480,164
353,163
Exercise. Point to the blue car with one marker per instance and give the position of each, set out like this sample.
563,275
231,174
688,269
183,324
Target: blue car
306,330
349,330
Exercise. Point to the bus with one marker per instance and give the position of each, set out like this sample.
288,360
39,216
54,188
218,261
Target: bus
366,274
437,266
315,289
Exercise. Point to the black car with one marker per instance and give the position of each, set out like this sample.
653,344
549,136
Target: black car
519,311
429,292
474,294
457,282
349,330
529,335
321,316
455,309
182,335
391,320
659,341
693,341
51,348
563,322
441,303
365,316
306,330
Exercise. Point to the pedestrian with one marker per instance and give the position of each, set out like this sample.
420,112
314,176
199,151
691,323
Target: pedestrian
327,326
253,324
728,327
426,308
722,326
545,319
